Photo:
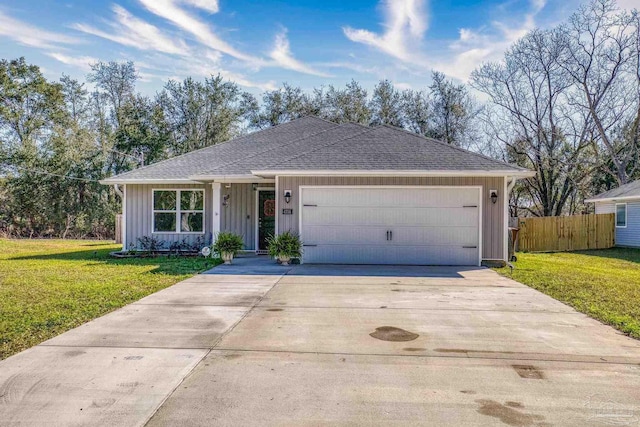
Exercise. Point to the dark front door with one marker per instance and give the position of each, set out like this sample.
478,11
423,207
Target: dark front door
266,217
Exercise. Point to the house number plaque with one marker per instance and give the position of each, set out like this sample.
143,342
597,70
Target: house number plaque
287,211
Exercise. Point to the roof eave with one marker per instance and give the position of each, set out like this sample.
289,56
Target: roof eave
442,173
229,178
612,199
113,181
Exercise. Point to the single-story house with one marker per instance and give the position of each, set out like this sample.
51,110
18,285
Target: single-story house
355,194
624,202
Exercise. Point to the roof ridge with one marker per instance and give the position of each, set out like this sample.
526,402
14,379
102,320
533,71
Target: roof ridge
273,148
321,147
417,135
212,146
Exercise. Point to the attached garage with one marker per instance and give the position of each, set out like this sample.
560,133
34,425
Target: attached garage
355,194
391,225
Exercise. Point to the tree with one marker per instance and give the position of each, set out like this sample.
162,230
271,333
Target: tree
602,57
31,110
417,111
143,132
283,105
386,105
530,93
344,105
117,80
452,110
200,114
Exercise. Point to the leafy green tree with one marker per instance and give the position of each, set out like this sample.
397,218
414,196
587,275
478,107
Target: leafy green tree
452,110
350,104
386,105
283,105
199,114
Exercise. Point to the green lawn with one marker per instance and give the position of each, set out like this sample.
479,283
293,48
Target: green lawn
50,286
605,284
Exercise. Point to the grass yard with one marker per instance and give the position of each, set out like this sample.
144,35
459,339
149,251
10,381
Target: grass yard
50,286
604,284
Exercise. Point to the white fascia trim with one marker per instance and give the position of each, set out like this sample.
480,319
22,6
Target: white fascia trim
230,178
612,199
489,173
109,181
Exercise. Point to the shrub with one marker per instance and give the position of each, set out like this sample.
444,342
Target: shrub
227,242
285,244
150,244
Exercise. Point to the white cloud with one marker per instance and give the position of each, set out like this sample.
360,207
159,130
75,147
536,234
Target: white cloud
211,6
81,62
628,4
31,35
131,31
405,25
474,47
403,86
171,11
283,57
163,67
281,54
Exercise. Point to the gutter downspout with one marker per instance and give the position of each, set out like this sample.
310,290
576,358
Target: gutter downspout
116,187
510,183
121,194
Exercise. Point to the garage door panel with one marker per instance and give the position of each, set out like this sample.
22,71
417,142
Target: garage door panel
448,236
382,254
370,197
442,236
392,215
344,225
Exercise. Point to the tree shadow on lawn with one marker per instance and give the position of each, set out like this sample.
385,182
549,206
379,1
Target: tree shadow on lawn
172,265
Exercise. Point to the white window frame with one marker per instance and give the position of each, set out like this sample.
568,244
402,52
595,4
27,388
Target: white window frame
178,212
625,215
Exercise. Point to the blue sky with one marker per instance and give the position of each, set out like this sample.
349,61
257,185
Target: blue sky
260,44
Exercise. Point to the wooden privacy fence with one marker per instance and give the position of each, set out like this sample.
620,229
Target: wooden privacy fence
566,233
119,228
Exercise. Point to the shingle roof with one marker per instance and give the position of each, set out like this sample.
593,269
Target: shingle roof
275,154
310,143
208,158
631,189
389,148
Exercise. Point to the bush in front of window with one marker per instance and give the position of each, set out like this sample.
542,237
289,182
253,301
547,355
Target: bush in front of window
150,244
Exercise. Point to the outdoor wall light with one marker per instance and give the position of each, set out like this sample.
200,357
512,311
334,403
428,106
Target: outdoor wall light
287,196
254,186
225,200
493,195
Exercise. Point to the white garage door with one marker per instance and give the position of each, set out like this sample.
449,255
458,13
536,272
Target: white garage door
391,225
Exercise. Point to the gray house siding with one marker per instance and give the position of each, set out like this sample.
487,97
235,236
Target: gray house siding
492,215
238,217
139,214
629,236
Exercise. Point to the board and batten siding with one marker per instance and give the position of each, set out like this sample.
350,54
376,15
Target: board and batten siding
139,214
629,235
238,217
493,224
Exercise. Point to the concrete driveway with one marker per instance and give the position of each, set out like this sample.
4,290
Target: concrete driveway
331,345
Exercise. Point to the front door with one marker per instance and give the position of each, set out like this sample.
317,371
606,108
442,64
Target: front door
266,217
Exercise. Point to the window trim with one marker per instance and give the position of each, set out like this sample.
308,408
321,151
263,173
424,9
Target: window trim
178,212
625,215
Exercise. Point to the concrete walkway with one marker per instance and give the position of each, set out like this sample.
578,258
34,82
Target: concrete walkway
331,345
118,369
